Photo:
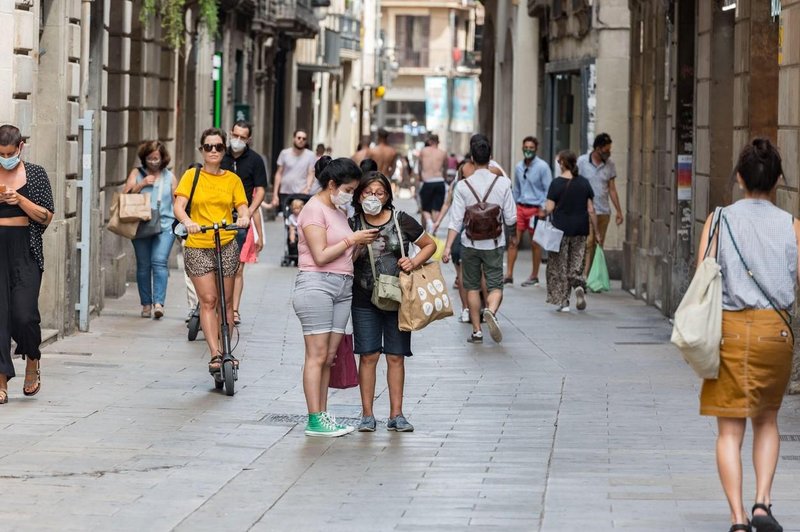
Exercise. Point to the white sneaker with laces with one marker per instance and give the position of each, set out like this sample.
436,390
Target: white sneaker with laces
465,316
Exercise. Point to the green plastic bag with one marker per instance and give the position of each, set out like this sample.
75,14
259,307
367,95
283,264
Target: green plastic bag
598,280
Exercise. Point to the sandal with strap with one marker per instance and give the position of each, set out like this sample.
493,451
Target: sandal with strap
237,319
215,364
37,380
740,526
765,523
3,397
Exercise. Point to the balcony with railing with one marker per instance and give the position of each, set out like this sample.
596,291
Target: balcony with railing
296,18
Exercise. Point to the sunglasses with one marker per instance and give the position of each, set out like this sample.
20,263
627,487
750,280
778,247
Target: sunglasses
220,148
300,138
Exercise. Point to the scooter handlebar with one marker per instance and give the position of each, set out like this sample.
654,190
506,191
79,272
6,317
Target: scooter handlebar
221,226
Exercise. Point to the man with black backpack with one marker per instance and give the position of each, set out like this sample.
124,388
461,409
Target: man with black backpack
482,205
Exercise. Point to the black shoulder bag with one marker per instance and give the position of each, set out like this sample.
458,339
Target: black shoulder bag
188,209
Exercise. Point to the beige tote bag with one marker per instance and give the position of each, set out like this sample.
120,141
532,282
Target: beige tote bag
697,329
134,207
425,298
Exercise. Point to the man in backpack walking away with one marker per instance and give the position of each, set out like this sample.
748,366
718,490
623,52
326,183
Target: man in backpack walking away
600,170
532,178
482,205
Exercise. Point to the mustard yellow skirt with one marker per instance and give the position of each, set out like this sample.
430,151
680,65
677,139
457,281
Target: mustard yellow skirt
755,365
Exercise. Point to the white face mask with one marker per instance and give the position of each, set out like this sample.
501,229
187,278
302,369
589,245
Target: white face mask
238,145
372,206
342,198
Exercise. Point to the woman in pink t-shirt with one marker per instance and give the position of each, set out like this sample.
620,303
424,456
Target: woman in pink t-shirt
324,286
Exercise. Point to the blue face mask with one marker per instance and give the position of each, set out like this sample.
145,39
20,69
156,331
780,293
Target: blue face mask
9,163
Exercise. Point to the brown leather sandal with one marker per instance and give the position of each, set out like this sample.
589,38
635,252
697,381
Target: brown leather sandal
37,373
3,397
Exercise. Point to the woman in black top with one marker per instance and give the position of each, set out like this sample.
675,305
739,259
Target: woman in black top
569,200
376,331
26,209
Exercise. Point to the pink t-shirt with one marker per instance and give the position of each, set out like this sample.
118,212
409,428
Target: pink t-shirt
337,229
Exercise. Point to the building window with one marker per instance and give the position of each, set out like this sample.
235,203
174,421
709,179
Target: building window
412,35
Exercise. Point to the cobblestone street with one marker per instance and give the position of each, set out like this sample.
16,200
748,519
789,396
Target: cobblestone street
576,422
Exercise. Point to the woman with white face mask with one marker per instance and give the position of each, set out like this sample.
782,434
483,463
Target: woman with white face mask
26,209
376,331
324,285
152,252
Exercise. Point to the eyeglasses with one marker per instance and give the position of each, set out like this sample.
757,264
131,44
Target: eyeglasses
379,194
153,161
220,148
300,138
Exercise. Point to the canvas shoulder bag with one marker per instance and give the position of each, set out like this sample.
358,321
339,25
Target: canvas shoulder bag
425,298
176,223
697,329
152,226
134,207
483,220
386,294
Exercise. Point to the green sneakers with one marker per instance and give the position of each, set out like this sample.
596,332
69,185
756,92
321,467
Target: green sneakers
323,425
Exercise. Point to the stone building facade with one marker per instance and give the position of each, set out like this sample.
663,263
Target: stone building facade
66,58
568,65
704,81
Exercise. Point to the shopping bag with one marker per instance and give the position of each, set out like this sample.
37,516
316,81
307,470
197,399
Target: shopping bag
598,280
248,253
117,226
344,373
548,236
425,298
134,207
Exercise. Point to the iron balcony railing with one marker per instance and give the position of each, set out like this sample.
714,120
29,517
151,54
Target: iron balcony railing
296,17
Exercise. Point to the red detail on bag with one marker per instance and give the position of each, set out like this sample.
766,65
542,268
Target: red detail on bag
248,253
344,372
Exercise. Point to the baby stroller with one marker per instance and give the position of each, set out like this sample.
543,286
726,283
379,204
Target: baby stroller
291,209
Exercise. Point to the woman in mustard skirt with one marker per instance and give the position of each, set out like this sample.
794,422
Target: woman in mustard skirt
756,246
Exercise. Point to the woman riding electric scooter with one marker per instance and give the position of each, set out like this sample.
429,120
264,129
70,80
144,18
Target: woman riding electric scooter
214,195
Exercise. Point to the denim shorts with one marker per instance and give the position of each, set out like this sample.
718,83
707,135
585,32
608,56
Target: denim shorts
376,331
322,301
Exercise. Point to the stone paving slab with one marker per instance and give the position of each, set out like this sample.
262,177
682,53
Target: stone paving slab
576,422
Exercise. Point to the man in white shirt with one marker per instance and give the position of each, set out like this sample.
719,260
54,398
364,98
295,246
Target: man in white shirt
295,173
482,256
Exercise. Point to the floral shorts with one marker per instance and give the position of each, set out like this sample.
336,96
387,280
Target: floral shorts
201,261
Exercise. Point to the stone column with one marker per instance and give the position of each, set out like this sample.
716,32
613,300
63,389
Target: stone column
56,148
788,60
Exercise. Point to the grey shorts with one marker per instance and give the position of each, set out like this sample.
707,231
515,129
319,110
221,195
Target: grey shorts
322,301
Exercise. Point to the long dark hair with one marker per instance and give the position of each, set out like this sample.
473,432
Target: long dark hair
367,180
340,171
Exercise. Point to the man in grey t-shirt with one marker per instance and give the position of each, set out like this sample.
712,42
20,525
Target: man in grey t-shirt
295,173
600,170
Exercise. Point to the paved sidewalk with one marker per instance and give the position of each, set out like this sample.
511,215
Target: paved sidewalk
576,422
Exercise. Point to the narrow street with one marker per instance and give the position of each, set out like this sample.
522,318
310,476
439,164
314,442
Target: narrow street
576,422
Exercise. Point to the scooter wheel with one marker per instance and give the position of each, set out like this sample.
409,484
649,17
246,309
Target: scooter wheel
194,327
228,373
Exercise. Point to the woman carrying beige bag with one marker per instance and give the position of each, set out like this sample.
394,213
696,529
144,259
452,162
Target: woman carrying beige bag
756,247
376,331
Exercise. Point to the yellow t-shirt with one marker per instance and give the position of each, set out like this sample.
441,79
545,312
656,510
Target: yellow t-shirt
214,199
